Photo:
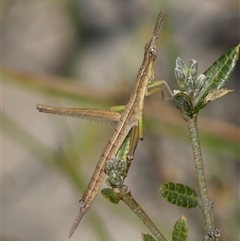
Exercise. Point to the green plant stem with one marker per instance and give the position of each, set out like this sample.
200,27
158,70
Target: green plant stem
206,204
137,209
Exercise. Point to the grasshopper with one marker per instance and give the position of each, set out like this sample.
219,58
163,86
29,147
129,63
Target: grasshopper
130,118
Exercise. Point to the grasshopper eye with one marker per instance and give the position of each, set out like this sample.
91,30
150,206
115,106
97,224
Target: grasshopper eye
153,52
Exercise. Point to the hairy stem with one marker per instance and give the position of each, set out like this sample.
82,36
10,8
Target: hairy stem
206,205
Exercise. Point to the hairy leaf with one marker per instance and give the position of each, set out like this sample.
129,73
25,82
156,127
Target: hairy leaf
180,230
179,194
111,196
217,75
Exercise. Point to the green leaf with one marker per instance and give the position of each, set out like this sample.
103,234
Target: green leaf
111,196
184,104
147,237
179,194
186,75
116,169
180,230
217,75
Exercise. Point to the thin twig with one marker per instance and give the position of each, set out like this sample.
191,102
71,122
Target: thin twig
137,209
206,204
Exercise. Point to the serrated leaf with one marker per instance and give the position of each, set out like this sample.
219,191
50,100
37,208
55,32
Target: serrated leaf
179,194
147,237
111,196
217,75
180,230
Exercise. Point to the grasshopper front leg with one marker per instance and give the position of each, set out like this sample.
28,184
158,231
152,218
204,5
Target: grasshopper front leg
155,87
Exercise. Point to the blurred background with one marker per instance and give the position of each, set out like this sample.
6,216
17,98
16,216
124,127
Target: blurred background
87,54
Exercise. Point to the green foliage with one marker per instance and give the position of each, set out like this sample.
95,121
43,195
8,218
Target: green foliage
179,194
217,75
184,104
195,92
180,230
116,170
147,237
111,196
